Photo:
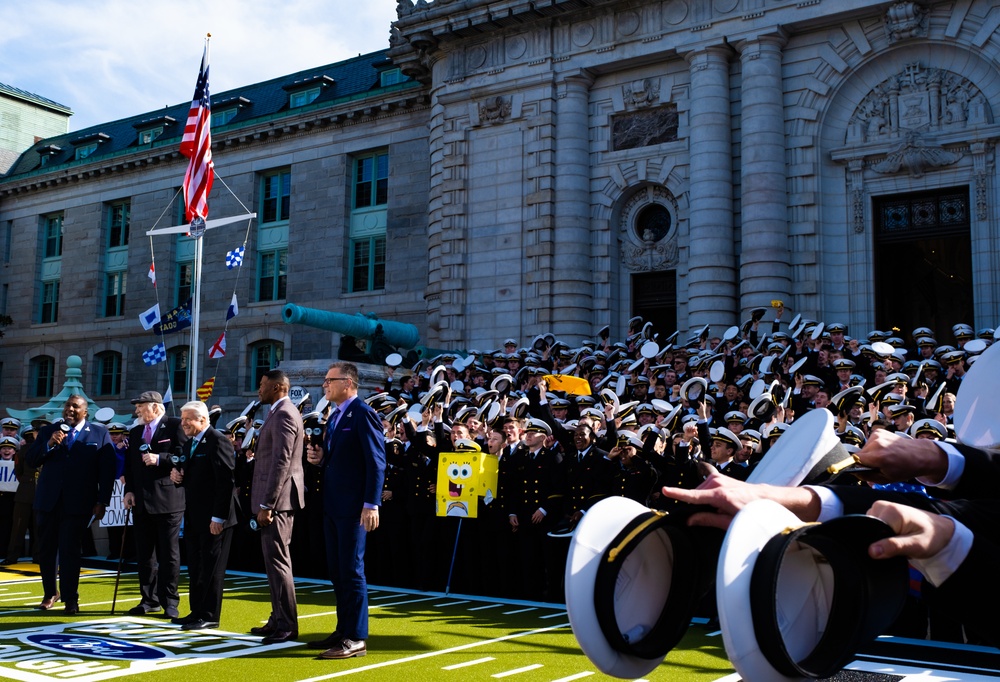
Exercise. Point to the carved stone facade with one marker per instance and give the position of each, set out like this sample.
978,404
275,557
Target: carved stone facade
647,231
827,106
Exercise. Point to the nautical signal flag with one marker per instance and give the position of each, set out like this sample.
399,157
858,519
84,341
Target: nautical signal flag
234,308
152,273
168,396
197,146
204,392
234,258
154,355
150,317
218,349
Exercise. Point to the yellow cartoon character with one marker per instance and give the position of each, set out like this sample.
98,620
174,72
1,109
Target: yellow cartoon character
458,480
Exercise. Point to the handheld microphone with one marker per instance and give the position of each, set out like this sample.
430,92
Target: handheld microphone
177,458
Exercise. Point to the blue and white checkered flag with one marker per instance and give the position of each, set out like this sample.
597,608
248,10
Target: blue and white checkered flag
154,355
234,258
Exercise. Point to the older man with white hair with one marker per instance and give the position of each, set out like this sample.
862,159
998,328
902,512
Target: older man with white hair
205,469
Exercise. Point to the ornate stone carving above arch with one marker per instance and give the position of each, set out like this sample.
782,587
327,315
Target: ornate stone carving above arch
647,230
921,99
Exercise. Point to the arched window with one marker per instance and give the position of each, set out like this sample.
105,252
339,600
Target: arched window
264,356
108,373
42,376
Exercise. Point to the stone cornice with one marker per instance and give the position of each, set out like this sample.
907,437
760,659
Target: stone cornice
342,114
426,31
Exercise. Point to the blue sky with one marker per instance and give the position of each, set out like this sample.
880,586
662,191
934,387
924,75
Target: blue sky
109,59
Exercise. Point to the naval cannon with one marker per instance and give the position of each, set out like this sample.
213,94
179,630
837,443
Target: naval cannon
381,337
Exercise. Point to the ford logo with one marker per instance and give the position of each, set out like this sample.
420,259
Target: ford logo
95,647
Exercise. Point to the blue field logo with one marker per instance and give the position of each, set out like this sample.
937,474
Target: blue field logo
95,647
107,648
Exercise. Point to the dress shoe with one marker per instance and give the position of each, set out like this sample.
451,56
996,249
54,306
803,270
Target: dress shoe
330,640
199,624
48,602
72,609
263,630
279,636
8,562
184,620
169,613
348,648
142,610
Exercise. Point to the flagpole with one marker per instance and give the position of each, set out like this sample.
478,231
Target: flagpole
195,316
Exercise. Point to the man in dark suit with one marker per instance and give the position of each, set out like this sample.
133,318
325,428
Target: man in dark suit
74,488
278,491
354,468
209,514
157,504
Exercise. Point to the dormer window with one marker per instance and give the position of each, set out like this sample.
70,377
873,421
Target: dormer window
87,145
300,99
305,91
151,128
390,77
221,118
225,110
85,151
47,153
147,136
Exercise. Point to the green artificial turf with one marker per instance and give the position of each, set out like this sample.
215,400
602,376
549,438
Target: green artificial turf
414,636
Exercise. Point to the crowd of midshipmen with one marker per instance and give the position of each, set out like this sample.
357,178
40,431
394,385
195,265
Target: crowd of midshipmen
656,411
642,423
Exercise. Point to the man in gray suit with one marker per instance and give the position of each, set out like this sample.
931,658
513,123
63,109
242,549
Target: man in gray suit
277,492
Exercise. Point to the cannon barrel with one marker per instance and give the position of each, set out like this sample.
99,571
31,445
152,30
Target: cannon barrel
359,326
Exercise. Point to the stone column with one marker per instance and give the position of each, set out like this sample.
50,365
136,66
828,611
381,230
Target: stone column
711,279
765,269
572,287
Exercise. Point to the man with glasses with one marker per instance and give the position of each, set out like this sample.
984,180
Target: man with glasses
353,471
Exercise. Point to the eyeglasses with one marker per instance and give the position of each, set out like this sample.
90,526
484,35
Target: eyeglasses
330,380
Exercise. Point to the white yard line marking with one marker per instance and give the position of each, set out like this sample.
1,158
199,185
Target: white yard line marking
511,613
468,663
483,608
452,603
328,589
578,676
397,603
430,654
317,615
517,671
553,615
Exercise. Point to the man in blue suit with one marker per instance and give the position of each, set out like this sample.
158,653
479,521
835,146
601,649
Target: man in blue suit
74,488
354,467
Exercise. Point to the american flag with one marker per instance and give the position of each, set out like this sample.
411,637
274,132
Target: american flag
197,146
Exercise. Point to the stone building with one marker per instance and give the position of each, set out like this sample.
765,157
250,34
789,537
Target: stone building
26,118
512,168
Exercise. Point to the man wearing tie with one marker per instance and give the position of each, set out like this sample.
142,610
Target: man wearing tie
74,488
277,492
157,504
209,514
354,467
